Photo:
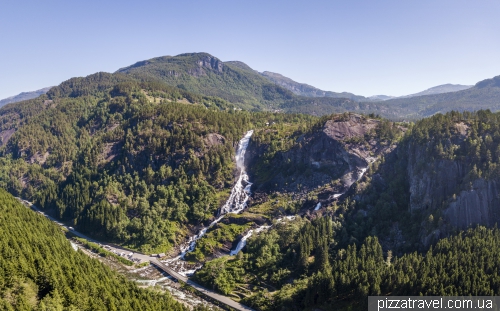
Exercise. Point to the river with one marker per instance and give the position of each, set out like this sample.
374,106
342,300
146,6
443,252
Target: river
237,202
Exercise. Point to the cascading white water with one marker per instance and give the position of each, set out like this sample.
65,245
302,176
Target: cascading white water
361,173
241,191
244,239
237,202
318,206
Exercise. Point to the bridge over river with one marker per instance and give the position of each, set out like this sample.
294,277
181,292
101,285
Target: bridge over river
154,261
209,293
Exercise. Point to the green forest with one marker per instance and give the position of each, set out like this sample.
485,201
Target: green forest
134,163
371,243
144,162
39,270
299,265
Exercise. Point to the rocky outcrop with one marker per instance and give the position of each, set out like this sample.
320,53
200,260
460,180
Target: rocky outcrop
211,63
319,158
5,136
206,62
431,186
441,188
213,139
354,126
477,206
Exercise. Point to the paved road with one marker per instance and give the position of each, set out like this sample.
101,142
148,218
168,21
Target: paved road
225,300
110,247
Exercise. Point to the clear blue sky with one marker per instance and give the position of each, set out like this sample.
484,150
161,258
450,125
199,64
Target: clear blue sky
392,47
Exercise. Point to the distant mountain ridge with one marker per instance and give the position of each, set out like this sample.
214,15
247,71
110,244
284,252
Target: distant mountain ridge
205,74
307,90
484,95
246,88
24,96
444,88
235,82
380,97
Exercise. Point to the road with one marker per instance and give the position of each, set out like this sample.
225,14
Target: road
153,260
110,247
223,299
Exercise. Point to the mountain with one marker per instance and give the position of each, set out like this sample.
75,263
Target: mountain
445,88
39,270
399,229
24,96
205,74
380,97
306,90
483,95
333,208
79,130
242,86
245,88
239,84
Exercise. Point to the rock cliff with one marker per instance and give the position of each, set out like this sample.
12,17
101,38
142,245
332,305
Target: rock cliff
479,205
444,187
333,156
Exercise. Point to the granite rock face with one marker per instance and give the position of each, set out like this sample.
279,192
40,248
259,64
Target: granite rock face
204,63
316,160
211,63
477,206
440,185
337,151
435,184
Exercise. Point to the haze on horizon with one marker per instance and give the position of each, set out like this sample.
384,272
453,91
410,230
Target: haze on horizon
388,47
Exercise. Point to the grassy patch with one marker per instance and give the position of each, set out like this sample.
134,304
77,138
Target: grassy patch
275,205
216,239
143,264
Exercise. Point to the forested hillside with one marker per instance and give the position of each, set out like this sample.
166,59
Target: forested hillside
95,157
442,177
239,84
137,163
39,270
341,204
297,266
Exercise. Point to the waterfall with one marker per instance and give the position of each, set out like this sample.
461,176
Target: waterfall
236,202
241,191
244,239
361,173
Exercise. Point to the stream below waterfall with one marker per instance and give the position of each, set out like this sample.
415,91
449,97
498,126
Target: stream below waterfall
236,202
361,173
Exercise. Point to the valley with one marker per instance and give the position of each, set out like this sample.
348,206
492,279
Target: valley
252,201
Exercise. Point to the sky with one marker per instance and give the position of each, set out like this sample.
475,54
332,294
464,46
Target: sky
389,47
